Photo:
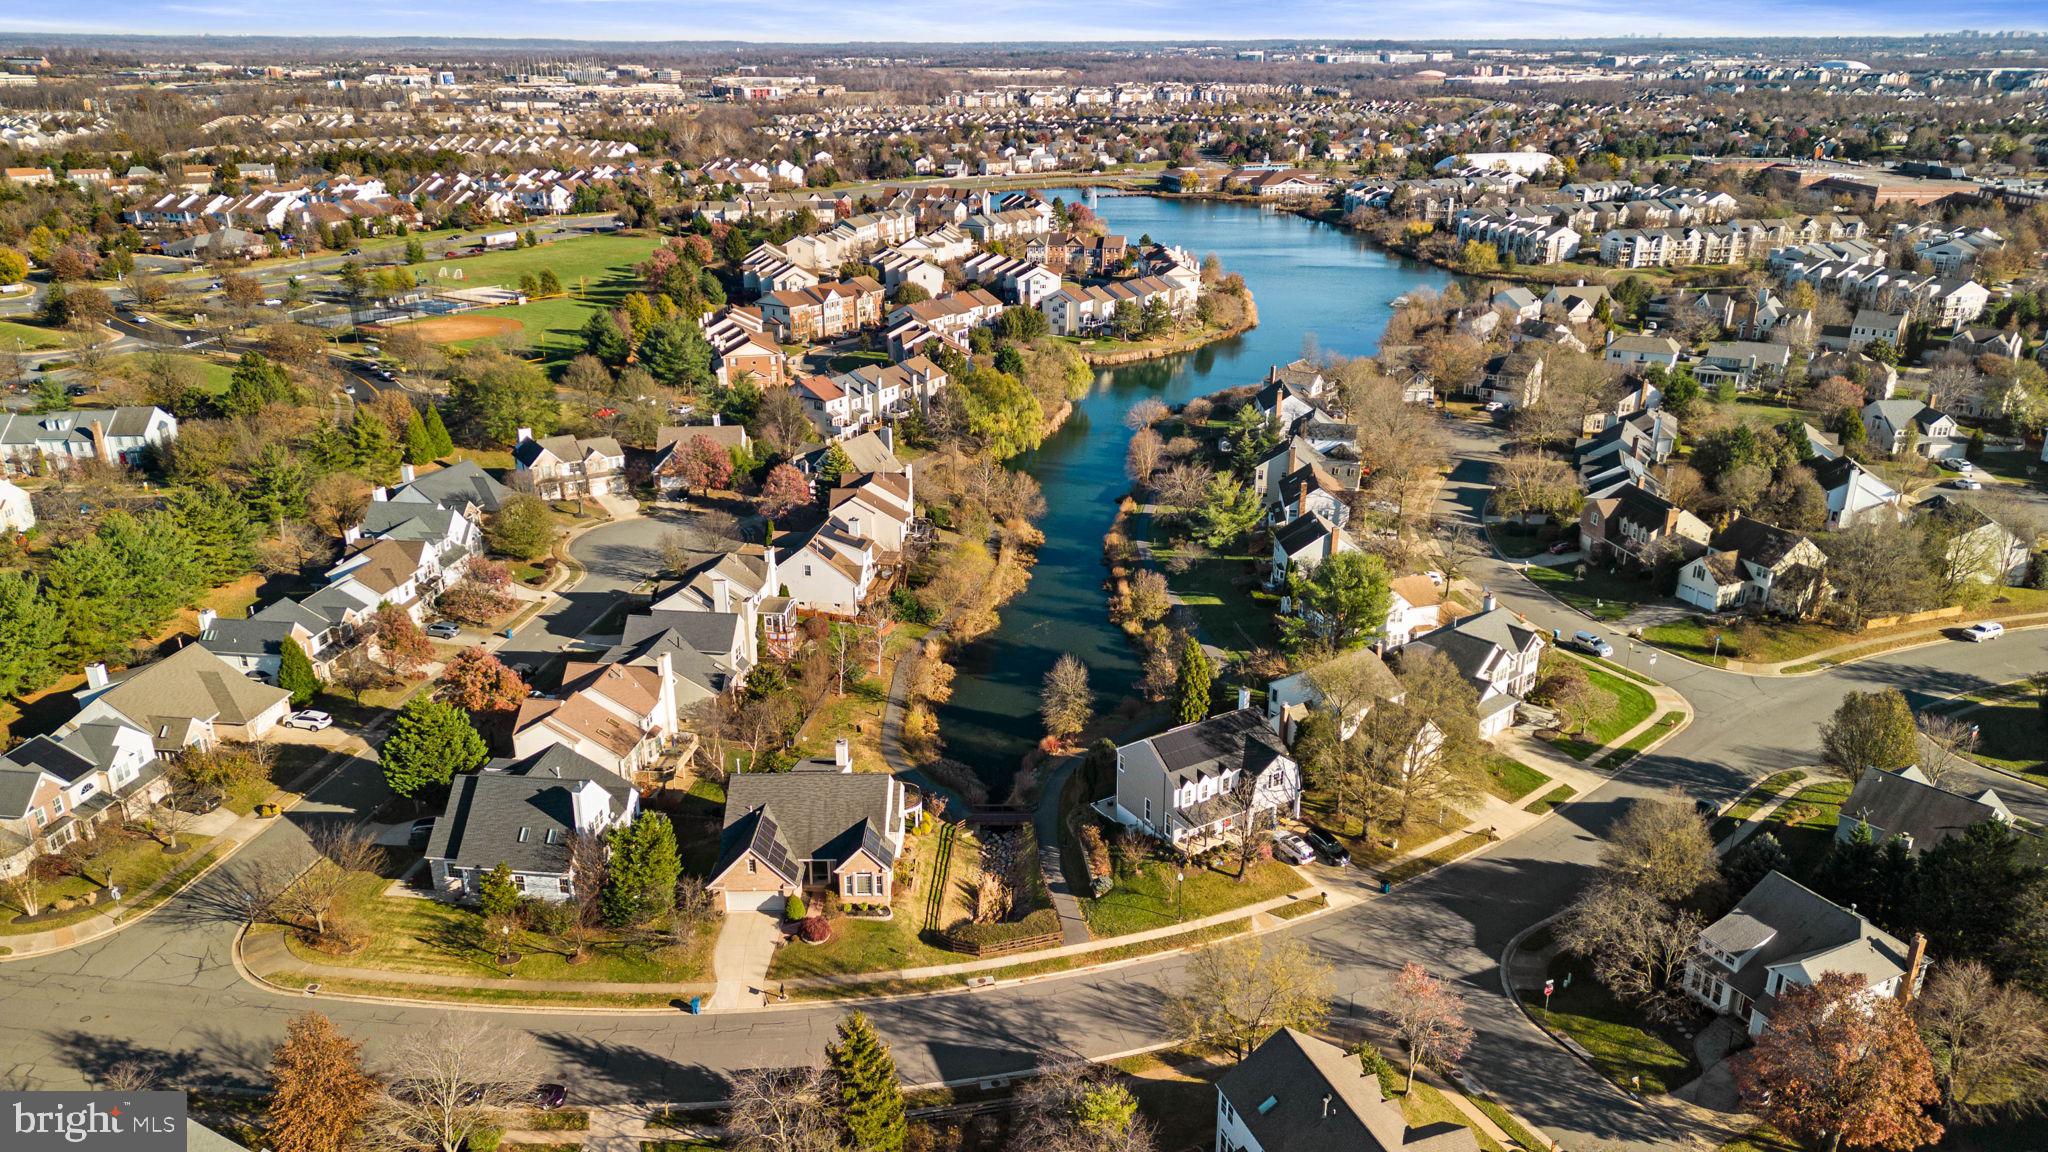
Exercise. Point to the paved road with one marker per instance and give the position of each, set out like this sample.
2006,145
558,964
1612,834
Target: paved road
164,988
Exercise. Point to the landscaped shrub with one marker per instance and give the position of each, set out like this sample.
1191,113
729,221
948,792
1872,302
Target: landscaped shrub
1039,923
484,1140
817,929
793,908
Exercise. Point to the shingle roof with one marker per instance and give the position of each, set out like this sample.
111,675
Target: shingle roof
1296,1093
1906,804
190,683
1236,739
486,811
815,810
463,480
1791,924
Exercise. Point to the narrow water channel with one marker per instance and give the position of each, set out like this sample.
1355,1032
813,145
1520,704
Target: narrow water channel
1310,280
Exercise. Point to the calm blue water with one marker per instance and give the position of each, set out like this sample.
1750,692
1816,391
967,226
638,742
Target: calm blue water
1317,288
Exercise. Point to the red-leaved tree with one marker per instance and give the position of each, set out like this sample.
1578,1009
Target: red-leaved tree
783,491
1430,1016
1838,1067
482,595
703,464
478,681
400,643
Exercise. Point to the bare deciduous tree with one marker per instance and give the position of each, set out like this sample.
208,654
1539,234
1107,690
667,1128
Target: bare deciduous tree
1662,847
1076,1106
1238,993
448,1082
781,1110
1989,1041
1949,740
1635,943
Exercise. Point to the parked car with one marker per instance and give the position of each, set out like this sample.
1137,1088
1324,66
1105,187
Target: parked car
548,1097
1966,483
198,803
1496,406
444,629
422,831
310,720
1962,466
1988,630
1562,547
1594,645
1327,847
1291,848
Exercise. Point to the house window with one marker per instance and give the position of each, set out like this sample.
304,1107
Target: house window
519,881
1148,810
57,804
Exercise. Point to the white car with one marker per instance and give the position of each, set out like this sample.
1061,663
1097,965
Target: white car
1988,630
310,720
1291,848
1495,406
1966,484
1962,465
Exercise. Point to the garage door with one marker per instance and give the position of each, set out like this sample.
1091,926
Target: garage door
750,901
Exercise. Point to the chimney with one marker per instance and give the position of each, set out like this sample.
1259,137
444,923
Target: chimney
352,534
100,447
1489,603
1916,959
842,755
206,618
721,593
96,675
1244,697
525,434
717,419
378,495
406,475
887,434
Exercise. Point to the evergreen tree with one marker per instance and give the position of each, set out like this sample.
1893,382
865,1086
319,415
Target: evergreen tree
295,673
278,485
437,433
86,585
870,1095
676,353
604,339
320,1093
415,252
419,443
429,743
219,526
376,457
31,634
550,284
1192,688
834,466
641,881
497,896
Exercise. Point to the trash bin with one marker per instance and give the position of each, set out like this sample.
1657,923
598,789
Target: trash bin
1386,887
696,1005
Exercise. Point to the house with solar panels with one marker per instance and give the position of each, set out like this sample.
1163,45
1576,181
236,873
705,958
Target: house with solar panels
821,827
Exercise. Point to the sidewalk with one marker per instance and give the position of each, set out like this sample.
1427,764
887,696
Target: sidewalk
1913,639
226,842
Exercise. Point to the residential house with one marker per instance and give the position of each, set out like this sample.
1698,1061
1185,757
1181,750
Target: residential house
188,699
1878,378
821,827
254,646
1636,351
875,506
873,451
1625,452
113,435
1977,547
823,311
1309,489
1907,806
1195,784
1759,567
1783,935
461,487
1854,492
54,789
873,394
1349,686
708,652
672,445
744,581
1415,605
1497,652
2002,342
1870,325
831,572
1746,362
1894,426
565,467
621,716
1303,543
1295,393
1577,303
1296,1093
1513,380
17,511
1639,527
1338,465
742,346
523,813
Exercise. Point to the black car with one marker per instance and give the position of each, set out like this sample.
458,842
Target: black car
197,803
549,1096
422,831
1327,847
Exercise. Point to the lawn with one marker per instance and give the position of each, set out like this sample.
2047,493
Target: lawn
1777,643
134,865
31,337
1601,595
1152,898
1641,740
1551,799
414,934
1805,825
212,376
1418,866
1618,705
575,262
1231,610
1621,1043
2010,730
1747,804
1510,779
289,762
1426,1104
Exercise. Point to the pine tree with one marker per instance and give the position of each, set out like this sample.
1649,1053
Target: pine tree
295,673
375,456
497,896
320,1093
419,444
278,485
219,526
641,882
834,466
429,743
1192,689
437,432
31,632
870,1096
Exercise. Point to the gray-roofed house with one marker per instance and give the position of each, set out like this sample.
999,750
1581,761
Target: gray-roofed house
190,698
1296,1093
710,652
820,827
1907,805
1183,785
1854,493
559,467
1783,934
1894,424
523,813
110,434
1497,652
463,483
55,788
1303,543
1973,546
254,645
1757,566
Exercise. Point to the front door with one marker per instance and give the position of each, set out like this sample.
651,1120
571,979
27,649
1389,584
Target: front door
817,873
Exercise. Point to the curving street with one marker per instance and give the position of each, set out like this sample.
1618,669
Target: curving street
166,987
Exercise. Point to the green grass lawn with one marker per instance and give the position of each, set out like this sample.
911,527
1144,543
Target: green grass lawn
412,934
31,336
1551,799
1510,779
1618,705
2010,731
1756,409
1805,825
134,865
1148,899
1620,1041
1417,866
1641,740
1747,804
1778,642
1231,610
212,376
582,259
1599,594
551,326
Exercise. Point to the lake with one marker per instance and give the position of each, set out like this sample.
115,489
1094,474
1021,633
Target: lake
1319,289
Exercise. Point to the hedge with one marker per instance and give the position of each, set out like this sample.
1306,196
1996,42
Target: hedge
1038,923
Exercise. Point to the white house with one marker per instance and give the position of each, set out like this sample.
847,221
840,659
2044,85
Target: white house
1183,785
1890,424
1854,493
523,813
110,434
1497,652
17,512
1296,1093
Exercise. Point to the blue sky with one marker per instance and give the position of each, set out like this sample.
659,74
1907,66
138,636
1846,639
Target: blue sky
931,21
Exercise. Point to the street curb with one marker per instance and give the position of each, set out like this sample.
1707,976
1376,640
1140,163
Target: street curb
1507,959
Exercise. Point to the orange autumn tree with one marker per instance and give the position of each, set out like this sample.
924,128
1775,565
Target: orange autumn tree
1837,1069
477,681
320,1093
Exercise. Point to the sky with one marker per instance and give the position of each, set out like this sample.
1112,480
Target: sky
834,21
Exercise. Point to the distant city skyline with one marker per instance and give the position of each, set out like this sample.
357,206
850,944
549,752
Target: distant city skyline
919,21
